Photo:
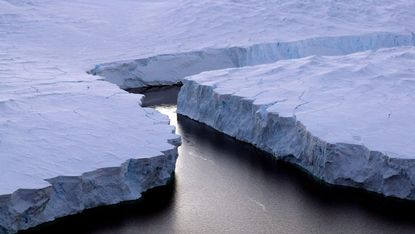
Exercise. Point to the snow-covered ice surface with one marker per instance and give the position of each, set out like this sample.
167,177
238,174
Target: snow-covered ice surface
54,116
167,69
69,141
347,120
212,35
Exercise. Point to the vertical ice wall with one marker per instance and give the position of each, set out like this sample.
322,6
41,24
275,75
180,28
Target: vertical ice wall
167,69
347,120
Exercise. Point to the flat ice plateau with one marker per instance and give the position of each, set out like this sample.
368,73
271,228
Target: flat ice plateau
71,141
348,120
211,35
70,146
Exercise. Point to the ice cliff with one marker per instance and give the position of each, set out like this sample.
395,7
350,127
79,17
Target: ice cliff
347,120
167,69
74,145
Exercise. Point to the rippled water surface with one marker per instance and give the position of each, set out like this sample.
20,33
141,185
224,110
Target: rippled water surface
224,186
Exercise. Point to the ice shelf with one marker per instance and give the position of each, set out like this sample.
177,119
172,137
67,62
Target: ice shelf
69,146
348,120
69,141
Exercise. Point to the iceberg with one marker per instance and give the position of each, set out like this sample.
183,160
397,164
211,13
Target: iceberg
347,120
71,146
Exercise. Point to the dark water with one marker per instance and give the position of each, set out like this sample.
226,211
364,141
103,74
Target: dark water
225,186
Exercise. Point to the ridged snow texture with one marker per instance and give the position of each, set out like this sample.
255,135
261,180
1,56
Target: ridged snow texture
167,69
217,99
68,195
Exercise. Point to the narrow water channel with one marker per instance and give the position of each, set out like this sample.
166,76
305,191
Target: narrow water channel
224,186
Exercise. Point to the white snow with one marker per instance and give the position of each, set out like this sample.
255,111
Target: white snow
354,112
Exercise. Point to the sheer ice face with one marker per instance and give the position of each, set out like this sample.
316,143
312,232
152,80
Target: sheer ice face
348,120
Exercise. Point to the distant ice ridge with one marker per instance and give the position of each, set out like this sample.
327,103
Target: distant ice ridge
348,120
167,69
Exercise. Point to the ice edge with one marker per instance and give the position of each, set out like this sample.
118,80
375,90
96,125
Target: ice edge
335,163
169,69
67,195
